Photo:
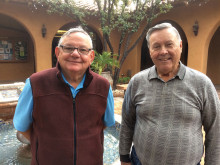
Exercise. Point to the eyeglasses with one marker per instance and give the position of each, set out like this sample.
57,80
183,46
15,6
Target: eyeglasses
70,49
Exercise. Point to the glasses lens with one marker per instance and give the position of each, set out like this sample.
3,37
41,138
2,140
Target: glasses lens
83,51
68,49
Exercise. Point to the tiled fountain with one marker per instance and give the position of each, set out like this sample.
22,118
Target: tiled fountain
9,94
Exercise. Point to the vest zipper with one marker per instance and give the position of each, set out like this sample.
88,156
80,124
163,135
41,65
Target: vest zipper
37,152
74,117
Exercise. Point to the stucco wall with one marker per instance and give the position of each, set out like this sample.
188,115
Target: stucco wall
198,46
32,21
207,16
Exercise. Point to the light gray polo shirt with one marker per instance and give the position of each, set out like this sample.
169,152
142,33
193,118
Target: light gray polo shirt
164,119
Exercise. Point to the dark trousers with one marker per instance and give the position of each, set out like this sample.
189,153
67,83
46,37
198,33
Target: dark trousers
134,158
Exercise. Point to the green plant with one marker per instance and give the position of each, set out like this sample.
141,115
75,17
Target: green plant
124,80
104,60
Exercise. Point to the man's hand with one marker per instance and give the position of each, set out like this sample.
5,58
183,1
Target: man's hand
124,163
27,134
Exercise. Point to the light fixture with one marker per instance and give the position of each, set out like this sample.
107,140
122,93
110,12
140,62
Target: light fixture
196,28
43,30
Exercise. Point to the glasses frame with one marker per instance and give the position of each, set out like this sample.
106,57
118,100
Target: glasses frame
80,53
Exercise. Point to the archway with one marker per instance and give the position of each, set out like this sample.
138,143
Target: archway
213,66
16,51
97,44
146,61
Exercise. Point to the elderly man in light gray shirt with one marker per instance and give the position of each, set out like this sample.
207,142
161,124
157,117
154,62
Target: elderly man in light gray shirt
165,108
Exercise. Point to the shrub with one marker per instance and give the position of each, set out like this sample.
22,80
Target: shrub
124,80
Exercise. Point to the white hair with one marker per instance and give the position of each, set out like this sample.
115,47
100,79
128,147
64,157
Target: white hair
162,26
73,30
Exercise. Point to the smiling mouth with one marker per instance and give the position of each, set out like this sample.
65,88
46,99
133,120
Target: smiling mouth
164,59
73,61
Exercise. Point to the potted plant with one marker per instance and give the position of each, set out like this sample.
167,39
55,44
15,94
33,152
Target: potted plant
104,61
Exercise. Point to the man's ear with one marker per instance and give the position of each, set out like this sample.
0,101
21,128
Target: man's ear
181,46
57,51
92,55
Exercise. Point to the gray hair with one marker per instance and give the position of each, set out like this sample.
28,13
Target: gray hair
74,30
161,26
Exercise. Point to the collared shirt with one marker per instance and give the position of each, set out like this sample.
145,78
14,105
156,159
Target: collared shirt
180,74
23,113
164,119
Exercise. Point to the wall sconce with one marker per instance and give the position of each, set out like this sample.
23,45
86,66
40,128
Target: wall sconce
196,28
43,30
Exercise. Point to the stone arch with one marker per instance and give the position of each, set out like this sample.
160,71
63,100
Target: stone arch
213,62
13,69
146,61
97,44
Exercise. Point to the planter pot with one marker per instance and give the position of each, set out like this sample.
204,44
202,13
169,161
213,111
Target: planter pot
108,76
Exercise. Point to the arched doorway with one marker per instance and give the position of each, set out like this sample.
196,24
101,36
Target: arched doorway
213,65
16,51
97,44
146,61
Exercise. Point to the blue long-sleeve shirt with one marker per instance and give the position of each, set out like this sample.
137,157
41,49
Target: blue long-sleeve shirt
23,113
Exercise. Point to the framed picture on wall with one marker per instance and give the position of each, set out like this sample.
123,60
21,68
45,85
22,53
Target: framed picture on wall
2,50
20,50
13,50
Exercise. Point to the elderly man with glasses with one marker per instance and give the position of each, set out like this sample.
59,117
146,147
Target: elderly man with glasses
64,110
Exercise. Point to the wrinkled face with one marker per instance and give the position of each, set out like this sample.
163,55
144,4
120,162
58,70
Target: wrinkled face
74,62
165,51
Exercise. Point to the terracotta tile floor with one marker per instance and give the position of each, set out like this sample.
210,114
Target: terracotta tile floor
118,105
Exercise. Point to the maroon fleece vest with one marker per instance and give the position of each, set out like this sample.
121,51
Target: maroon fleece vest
65,133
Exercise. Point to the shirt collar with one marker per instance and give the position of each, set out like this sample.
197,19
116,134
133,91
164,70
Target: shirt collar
80,84
181,73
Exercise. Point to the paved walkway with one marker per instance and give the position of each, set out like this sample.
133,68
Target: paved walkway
118,104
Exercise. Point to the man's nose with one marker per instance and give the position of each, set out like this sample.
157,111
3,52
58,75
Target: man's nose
75,52
163,50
